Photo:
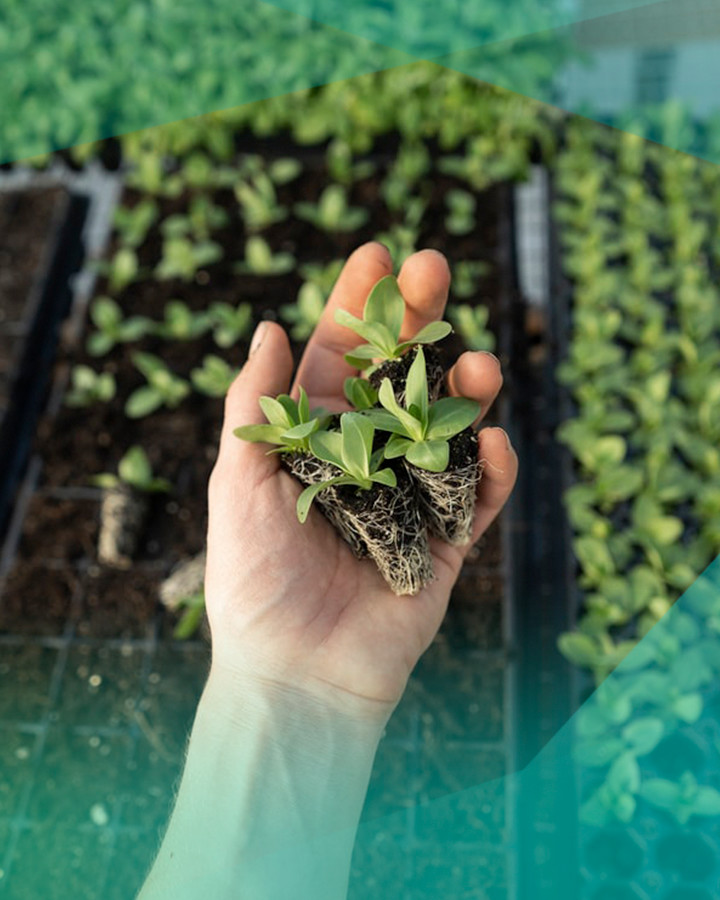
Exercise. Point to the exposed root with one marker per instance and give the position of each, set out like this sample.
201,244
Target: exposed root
447,501
122,515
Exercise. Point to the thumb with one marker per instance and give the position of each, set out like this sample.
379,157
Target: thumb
267,372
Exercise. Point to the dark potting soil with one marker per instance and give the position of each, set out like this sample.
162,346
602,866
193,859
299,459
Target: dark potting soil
182,443
463,450
397,371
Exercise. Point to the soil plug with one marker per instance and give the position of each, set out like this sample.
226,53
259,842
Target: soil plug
124,506
447,499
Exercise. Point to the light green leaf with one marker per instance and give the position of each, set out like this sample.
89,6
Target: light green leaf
105,313
327,445
303,406
385,304
431,333
416,388
451,415
386,421
386,477
643,734
397,446
134,468
301,431
356,430
360,393
386,397
304,501
275,412
430,455
270,434
142,402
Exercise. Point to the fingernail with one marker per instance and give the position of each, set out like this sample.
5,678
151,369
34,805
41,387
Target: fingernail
257,338
507,439
492,356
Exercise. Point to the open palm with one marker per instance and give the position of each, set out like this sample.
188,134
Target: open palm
289,603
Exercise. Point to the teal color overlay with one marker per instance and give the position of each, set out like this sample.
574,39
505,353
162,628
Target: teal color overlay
76,73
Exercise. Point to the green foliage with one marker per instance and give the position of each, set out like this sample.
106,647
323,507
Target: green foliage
229,324
460,219
260,260
381,323
134,470
90,387
181,323
123,269
112,327
133,224
421,431
471,324
203,217
182,258
163,388
214,377
466,278
192,611
332,212
258,202
290,424
359,393
351,451
324,275
305,313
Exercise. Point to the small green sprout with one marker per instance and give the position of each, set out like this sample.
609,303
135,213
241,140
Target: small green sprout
305,313
466,277
163,388
182,258
229,323
324,275
351,451
134,470
133,224
381,323
258,201
193,609
421,431
90,387
112,328
214,377
181,323
202,219
122,270
471,324
260,260
332,212
461,212
290,424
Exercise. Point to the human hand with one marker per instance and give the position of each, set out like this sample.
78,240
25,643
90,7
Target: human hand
288,604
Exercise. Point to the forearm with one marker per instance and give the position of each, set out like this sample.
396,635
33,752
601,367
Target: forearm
269,801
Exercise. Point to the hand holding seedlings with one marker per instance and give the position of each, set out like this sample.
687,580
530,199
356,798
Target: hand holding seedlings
312,648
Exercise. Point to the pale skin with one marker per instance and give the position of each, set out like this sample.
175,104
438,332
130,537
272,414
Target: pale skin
311,650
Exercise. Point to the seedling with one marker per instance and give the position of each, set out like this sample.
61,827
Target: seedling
112,328
461,212
332,211
421,430
181,323
182,258
163,388
471,324
466,277
324,275
258,202
381,324
214,377
290,424
122,269
229,324
260,260
360,393
135,471
202,219
133,224
305,313
351,451
90,387
193,610
342,165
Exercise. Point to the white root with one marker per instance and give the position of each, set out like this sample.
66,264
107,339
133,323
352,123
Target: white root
447,500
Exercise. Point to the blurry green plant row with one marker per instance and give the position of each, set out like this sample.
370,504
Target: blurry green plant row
638,225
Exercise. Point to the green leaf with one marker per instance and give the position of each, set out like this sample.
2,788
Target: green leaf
105,313
431,455
99,343
134,468
270,434
707,802
359,393
301,431
362,356
356,430
643,734
386,397
304,501
397,446
385,305
416,388
580,649
662,793
142,402
276,412
386,421
385,476
451,415
375,333
688,707
303,406
431,333
148,364
327,445
189,621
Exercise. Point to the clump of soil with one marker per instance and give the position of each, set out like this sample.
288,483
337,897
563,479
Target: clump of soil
397,371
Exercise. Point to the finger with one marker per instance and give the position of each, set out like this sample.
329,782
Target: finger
476,375
424,282
500,468
323,370
266,372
